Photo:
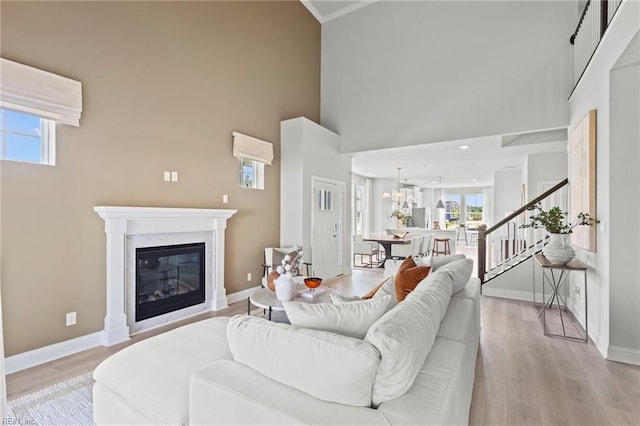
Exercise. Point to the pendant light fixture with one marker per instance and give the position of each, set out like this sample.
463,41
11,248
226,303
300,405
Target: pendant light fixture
440,204
405,205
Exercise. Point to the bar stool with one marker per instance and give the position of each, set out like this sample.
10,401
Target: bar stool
441,246
462,234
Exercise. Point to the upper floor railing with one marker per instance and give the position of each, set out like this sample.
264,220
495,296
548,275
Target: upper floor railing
592,25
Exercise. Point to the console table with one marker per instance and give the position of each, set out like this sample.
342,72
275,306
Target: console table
557,277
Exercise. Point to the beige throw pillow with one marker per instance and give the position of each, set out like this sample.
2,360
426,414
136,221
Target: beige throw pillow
348,319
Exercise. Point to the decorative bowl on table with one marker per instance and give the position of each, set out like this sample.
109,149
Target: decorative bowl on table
312,282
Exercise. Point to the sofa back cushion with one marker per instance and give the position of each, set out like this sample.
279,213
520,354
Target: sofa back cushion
325,365
349,319
405,334
460,272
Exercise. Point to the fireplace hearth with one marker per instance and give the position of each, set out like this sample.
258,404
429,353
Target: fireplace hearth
169,278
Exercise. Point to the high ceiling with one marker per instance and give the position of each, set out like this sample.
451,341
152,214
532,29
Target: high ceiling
326,10
423,165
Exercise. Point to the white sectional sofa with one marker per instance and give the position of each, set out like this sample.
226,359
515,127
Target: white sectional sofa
414,366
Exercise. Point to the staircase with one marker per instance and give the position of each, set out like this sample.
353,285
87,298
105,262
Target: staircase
507,244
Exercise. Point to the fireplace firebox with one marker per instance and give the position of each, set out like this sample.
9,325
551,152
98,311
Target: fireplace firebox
169,278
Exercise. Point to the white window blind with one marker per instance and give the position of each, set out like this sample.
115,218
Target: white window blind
251,148
33,91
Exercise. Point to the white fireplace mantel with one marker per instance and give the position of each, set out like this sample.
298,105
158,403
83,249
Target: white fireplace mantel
121,222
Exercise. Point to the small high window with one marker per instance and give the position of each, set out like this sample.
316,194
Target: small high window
251,174
26,137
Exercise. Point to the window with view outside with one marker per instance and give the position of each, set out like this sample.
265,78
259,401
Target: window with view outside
25,137
358,209
451,210
473,210
251,174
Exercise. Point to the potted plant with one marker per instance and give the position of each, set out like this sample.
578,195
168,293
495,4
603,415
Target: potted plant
402,219
555,222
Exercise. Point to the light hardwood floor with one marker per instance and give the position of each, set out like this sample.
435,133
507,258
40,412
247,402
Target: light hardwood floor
522,376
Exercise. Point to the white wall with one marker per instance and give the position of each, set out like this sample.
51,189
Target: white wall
544,168
507,186
382,209
612,188
411,72
308,149
625,216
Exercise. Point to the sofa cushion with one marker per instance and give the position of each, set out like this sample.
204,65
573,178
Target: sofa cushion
142,372
408,276
338,298
437,262
460,271
348,319
376,288
325,365
388,288
404,336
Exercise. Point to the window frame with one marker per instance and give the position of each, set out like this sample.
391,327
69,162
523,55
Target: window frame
47,139
258,173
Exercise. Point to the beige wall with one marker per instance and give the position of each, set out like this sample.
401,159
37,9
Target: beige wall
164,85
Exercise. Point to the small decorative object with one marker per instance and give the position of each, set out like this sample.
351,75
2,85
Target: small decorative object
402,219
558,251
271,278
436,224
312,282
285,287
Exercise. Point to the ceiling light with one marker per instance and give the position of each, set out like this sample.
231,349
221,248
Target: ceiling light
474,180
464,146
440,204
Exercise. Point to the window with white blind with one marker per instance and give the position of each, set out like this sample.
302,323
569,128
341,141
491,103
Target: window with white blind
32,101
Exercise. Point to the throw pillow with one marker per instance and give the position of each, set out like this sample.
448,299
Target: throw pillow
348,319
375,289
408,276
459,271
325,365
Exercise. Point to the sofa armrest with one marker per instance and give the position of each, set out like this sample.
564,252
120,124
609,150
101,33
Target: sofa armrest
227,392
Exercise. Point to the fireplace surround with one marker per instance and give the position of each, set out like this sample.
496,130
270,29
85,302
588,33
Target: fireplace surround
129,228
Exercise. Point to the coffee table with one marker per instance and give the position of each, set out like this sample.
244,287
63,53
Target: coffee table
267,300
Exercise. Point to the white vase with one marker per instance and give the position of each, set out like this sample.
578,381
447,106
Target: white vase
558,251
285,288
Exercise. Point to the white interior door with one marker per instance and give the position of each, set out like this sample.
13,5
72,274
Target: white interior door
327,237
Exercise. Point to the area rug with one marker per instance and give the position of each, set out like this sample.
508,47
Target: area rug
66,403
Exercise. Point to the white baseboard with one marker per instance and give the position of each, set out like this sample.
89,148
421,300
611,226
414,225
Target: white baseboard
49,353
525,296
242,295
626,355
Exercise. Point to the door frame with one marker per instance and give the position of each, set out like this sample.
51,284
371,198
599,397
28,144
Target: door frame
346,228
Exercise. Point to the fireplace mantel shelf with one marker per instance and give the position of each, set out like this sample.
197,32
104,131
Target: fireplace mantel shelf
134,213
123,222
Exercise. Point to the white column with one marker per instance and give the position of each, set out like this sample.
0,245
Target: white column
219,291
115,322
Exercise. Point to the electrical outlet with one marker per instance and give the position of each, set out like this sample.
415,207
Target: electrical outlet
249,276
577,289
71,319
225,198
167,176
174,176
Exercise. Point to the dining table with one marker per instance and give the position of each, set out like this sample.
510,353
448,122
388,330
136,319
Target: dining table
387,241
